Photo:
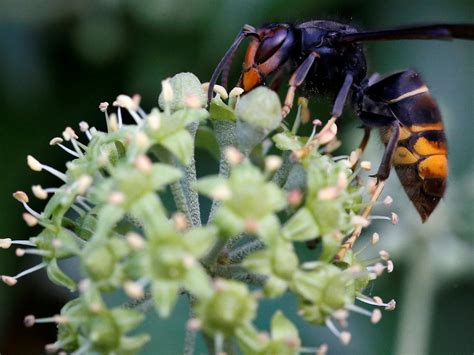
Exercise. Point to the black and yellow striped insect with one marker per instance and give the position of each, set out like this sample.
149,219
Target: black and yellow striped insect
327,58
413,135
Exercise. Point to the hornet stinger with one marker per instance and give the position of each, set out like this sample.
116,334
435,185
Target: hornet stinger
327,58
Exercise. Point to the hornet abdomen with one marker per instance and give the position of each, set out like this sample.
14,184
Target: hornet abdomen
420,158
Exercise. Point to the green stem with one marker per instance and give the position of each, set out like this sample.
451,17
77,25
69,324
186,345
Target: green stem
297,123
210,259
209,341
191,196
177,191
418,300
230,346
225,136
238,272
186,199
281,175
180,199
142,305
190,337
237,255
233,242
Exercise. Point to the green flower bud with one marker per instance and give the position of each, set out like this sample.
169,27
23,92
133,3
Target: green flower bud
228,222
284,261
331,245
68,332
127,319
230,307
288,141
99,261
248,200
60,244
322,291
258,113
301,226
184,86
279,263
285,338
168,260
252,196
104,333
165,294
68,337
261,108
221,111
329,216
361,282
274,287
362,279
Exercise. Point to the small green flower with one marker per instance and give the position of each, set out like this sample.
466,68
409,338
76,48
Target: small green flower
102,262
230,307
249,202
221,111
322,290
283,340
289,141
172,261
172,133
279,262
87,324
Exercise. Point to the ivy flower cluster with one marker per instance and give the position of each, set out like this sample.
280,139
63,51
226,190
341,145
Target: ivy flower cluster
274,189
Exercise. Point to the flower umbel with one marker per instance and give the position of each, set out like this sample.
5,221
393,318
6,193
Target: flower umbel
274,190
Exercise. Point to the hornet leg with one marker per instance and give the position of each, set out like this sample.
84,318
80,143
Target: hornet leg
382,174
338,104
362,145
296,80
342,96
386,164
336,113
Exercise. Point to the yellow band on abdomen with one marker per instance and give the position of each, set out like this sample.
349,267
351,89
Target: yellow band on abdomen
438,126
426,147
434,166
403,156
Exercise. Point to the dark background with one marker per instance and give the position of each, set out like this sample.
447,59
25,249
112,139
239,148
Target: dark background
59,59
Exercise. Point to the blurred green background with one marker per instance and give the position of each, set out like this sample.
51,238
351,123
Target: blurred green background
59,59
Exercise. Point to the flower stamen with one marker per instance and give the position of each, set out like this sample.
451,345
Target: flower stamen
12,280
20,252
70,135
58,141
35,165
22,197
39,192
31,320
5,243
377,301
130,105
84,127
29,219
119,116
344,337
